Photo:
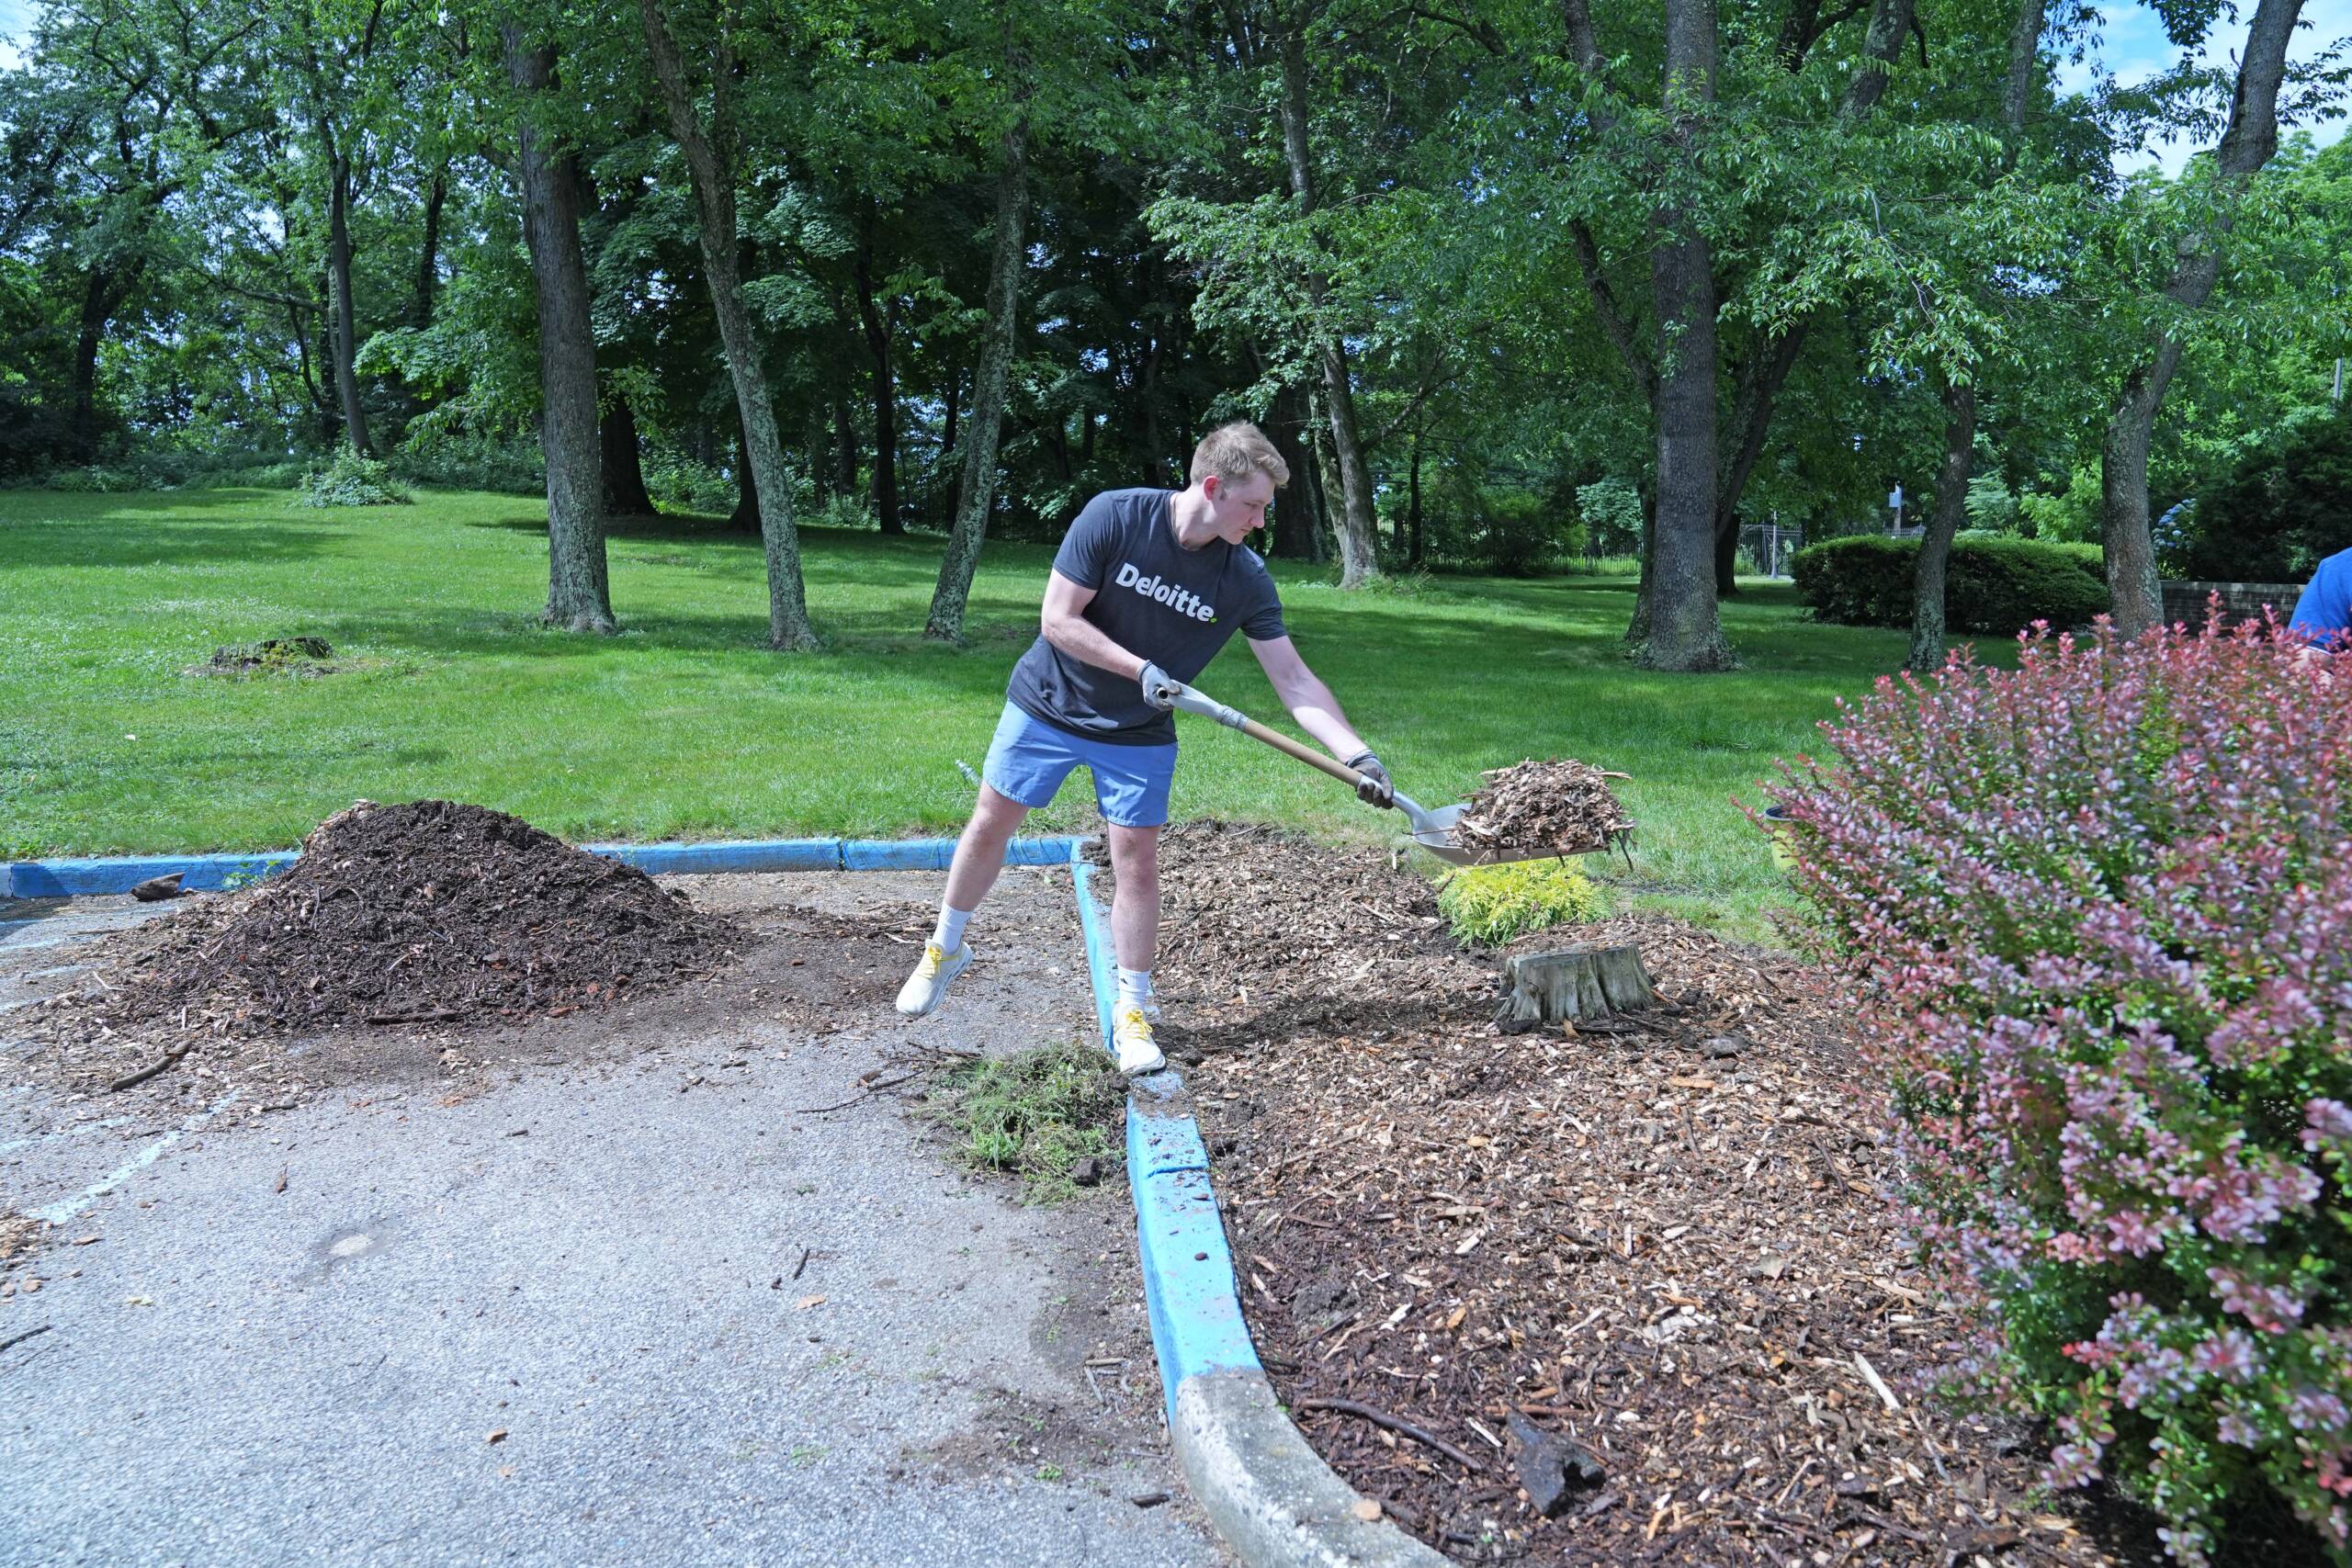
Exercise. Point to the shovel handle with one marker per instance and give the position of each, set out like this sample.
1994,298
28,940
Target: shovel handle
1307,754
1206,706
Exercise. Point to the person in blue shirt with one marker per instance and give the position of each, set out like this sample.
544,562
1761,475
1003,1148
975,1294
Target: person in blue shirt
2325,608
1148,586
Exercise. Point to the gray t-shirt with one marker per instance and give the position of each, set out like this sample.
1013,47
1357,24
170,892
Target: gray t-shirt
1160,602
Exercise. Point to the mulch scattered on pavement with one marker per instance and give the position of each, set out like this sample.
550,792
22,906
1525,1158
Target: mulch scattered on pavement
1643,1271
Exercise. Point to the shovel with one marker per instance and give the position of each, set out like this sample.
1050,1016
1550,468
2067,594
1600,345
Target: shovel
1434,830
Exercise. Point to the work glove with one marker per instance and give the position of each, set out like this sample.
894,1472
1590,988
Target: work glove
1374,788
1159,688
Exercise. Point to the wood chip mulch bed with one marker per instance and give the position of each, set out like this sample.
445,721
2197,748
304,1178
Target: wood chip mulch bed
1656,1253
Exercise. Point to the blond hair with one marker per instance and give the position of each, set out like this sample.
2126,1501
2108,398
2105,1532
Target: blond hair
1230,451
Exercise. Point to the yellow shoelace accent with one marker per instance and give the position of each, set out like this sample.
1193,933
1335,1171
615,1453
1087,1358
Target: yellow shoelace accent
1132,1022
933,955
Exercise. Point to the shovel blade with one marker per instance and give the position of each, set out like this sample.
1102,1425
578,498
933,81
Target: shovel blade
1436,831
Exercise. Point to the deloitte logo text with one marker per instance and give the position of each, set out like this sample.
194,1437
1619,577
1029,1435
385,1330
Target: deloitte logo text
1184,601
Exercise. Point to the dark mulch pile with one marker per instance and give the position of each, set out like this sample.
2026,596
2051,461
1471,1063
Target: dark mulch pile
429,912
1661,1244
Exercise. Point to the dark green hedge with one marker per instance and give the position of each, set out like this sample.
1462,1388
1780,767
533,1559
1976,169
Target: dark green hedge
1998,586
2284,508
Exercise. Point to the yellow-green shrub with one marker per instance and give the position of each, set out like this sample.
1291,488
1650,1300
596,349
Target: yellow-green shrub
1492,904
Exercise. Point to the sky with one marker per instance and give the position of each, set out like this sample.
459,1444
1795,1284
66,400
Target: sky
2134,48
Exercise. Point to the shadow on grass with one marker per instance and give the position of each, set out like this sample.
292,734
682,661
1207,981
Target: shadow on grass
111,543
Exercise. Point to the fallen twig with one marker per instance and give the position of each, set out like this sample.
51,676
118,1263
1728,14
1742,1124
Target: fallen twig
868,1092
169,1060
15,1339
1398,1425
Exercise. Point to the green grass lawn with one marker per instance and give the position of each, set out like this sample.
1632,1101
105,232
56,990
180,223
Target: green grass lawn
685,727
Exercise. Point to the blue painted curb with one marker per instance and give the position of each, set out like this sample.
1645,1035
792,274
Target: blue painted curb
1188,1280
204,873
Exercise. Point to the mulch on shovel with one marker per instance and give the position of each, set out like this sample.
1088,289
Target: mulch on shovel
1644,1272
1561,807
429,912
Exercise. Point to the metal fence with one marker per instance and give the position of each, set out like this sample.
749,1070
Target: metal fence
1767,547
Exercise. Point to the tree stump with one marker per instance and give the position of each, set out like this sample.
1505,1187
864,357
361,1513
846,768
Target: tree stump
1575,982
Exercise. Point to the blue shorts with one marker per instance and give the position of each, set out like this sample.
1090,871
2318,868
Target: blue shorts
1029,758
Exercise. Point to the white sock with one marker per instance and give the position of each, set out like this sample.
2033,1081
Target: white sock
1134,987
948,936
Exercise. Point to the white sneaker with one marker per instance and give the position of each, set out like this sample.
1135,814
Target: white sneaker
1131,1038
928,984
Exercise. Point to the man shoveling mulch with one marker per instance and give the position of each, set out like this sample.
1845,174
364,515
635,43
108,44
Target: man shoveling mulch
1629,1291
430,912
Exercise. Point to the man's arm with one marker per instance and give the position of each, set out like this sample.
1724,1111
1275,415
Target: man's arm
2323,610
1066,626
1309,700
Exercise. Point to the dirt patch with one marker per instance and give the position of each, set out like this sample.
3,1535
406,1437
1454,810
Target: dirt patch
1655,1252
302,657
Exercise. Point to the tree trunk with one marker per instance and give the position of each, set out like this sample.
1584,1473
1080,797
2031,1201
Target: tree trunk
579,598
100,298
1412,523
1951,515
1293,525
344,340
2246,145
977,491
623,463
1358,536
428,253
845,432
2025,39
1327,463
709,167
1685,628
1637,630
745,518
1751,420
1155,450
886,392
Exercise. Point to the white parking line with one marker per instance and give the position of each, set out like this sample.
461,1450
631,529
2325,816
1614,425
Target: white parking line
57,1214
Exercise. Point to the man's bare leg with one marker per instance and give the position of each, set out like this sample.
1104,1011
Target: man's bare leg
1134,901
979,855
1134,935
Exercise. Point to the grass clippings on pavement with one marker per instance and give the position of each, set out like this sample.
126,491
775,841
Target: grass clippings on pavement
1033,1115
1663,1240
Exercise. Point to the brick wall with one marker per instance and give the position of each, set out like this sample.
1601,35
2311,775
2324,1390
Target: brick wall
2240,600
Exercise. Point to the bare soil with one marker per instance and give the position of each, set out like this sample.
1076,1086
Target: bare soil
1659,1252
